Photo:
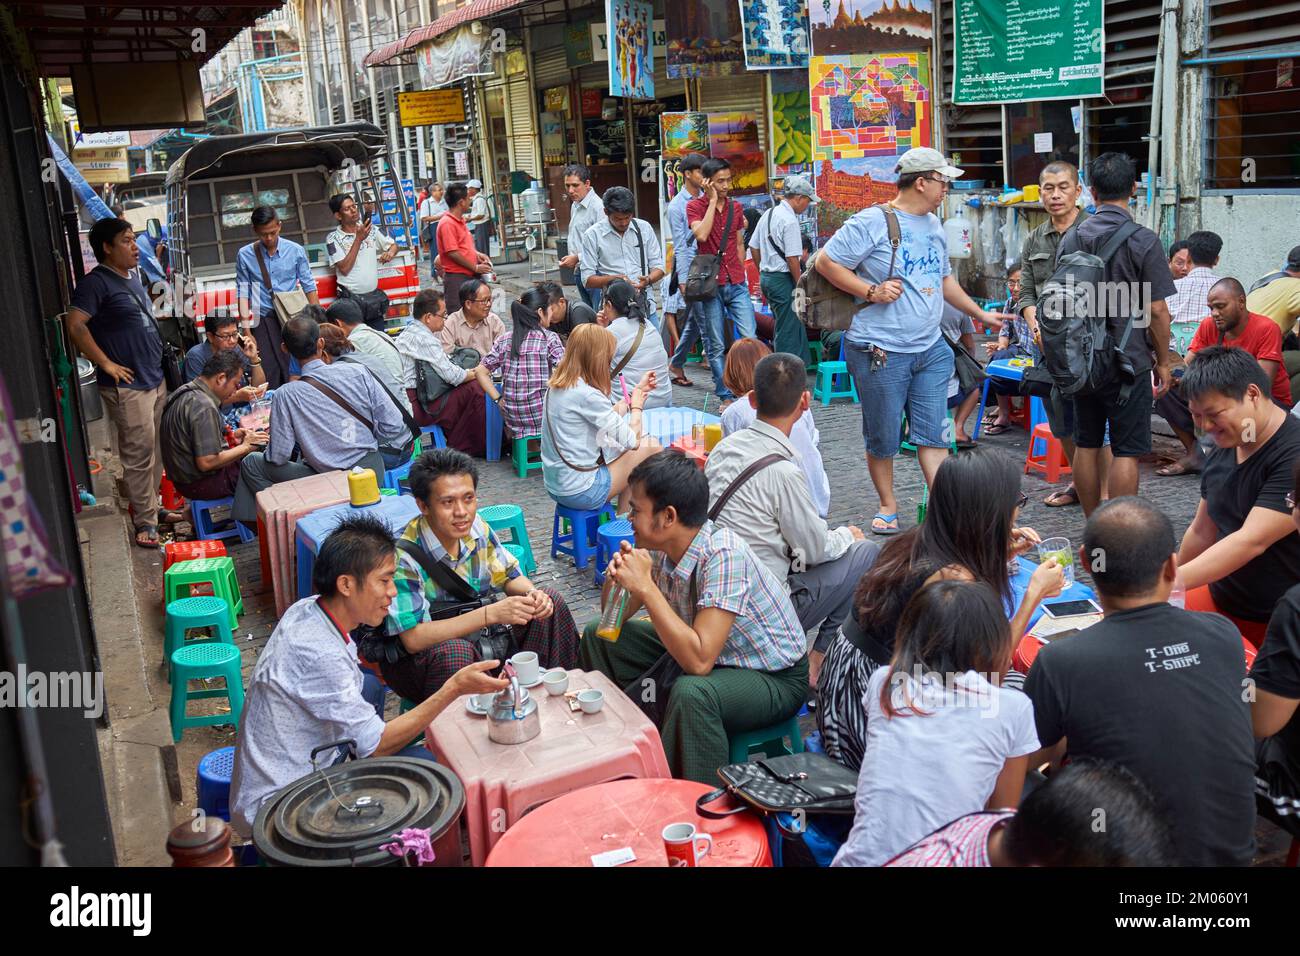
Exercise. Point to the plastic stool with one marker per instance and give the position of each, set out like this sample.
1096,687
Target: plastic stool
203,662
195,613
771,740
905,445
503,518
439,439
608,538
405,707
393,477
579,542
175,551
813,743
218,573
213,782
171,498
495,428
825,389
525,558
1051,461
814,354
519,452
205,529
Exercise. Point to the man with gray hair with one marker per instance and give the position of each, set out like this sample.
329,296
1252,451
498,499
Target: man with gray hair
778,244
588,208
758,490
620,246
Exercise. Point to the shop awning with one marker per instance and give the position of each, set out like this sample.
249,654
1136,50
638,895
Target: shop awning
478,10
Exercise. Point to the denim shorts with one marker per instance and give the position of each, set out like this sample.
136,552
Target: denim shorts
591,499
917,381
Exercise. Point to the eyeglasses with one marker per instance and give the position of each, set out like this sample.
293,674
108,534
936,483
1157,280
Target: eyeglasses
1022,500
945,183
1290,500
225,336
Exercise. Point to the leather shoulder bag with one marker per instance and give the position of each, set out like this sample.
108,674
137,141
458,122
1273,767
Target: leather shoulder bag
286,304
702,277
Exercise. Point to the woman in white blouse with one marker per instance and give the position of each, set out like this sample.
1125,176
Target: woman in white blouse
588,448
640,347
460,412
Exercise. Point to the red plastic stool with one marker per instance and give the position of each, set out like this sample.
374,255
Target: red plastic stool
1052,461
177,551
171,498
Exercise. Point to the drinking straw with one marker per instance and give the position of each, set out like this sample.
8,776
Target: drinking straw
623,381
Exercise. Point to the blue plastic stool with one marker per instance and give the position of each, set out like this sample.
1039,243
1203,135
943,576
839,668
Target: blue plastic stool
580,541
495,427
206,530
813,743
771,740
608,538
439,439
394,477
213,785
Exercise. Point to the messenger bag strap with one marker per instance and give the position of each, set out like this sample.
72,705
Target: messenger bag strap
546,420
740,479
401,409
266,273
439,573
640,334
338,400
895,236
726,236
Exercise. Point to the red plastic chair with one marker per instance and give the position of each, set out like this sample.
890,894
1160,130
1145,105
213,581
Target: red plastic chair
1051,461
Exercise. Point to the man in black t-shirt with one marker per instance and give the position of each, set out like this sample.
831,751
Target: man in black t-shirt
111,322
1241,552
1277,696
1154,688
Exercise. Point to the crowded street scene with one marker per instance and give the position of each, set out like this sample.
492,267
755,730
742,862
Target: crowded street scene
654,433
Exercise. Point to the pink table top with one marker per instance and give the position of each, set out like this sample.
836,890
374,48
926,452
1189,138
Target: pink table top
280,506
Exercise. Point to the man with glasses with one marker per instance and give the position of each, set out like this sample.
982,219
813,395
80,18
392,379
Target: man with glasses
288,269
588,208
221,334
474,325
895,347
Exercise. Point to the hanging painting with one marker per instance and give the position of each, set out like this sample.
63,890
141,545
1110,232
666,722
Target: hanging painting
864,26
704,39
792,151
869,105
683,133
631,66
776,34
847,186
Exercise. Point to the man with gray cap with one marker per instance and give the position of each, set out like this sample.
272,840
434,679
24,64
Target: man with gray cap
895,347
479,219
778,243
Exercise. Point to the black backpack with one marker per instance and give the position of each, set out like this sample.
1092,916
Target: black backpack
1079,351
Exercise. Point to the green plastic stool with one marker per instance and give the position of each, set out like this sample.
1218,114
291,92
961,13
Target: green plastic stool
523,557
196,613
204,661
905,445
409,705
217,572
519,454
696,356
815,355
771,740
503,518
825,387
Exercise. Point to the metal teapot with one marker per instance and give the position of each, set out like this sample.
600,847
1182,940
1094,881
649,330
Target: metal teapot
513,717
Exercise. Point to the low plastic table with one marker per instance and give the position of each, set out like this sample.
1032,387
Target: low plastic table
574,750
396,511
571,829
278,510
666,425
1003,369
691,450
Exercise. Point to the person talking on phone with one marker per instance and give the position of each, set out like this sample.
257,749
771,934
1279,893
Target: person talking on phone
356,250
221,334
286,269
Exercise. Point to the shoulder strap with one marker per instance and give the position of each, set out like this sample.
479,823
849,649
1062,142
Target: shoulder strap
401,409
740,479
771,239
439,573
640,248
338,400
1271,277
640,334
546,420
726,233
895,235
261,262
1117,239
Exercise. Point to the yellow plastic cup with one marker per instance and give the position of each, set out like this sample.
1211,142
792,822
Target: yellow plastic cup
712,435
1031,193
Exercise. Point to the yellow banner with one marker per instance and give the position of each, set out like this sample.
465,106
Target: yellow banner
431,107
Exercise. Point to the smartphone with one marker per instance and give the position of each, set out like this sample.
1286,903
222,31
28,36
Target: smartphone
365,220
1071,608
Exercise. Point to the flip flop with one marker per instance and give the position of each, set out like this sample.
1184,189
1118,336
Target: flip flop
887,520
149,542
170,517
680,379
996,428
966,443
1070,496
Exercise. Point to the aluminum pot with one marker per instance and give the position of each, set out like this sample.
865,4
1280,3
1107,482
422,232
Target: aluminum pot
513,717
91,403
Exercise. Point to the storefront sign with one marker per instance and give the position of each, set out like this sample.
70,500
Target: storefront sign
1029,50
431,107
103,165
600,40
556,99
578,44
82,140
591,103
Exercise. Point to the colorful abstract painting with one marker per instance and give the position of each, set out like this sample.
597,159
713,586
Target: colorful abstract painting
683,133
631,65
865,26
847,186
792,150
775,33
869,105
704,39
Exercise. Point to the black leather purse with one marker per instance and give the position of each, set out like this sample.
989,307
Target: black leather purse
795,783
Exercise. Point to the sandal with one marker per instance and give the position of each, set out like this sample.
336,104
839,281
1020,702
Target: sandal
678,377
170,517
997,428
885,522
1062,499
1180,467
146,537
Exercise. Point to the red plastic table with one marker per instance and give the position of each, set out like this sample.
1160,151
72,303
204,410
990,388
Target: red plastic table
278,509
503,782
692,450
569,830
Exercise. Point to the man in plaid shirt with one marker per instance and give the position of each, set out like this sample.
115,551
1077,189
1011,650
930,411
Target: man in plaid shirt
1187,305
714,607
416,651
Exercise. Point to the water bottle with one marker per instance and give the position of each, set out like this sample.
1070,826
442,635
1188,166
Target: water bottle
957,231
611,618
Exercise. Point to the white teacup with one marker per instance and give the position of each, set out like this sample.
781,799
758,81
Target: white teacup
556,682
591,701
526,666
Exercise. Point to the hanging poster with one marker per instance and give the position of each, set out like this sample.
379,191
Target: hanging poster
454,56
776,34
682,133
704,39
631,67
864,26
791,126
1028,50
869,105
600,40
847,186
577,44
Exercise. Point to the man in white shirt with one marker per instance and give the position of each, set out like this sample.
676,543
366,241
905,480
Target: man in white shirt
778,244
1187,305
431,210
307,688
346,313
479,219
773,512
620,246
588,209
355,250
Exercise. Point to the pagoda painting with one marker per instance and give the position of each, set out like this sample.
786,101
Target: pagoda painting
869,26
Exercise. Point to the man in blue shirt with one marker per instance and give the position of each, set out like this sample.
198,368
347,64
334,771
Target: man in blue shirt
220,334
895,349
285,264
689,330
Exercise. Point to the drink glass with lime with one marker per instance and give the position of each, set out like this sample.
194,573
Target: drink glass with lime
1059,548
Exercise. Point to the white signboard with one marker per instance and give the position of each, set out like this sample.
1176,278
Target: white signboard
82,140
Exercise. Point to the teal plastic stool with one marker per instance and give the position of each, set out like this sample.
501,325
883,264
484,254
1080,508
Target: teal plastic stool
519,454
770,740
524,558
825,388
815,354
196,613
509,518
204,661
905,445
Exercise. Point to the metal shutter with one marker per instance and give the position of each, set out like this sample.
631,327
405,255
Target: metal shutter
1231,26
971,134
524,145
730,94
1122,120
550,67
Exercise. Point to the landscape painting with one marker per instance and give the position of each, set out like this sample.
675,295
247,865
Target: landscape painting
868,26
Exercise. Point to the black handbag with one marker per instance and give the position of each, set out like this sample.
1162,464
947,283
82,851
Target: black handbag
171,366
970,374
430,387
795,783
1037,382
702,277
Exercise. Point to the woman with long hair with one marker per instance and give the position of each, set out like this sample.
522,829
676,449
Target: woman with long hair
738,375
969,534
588,450
525,357
640,348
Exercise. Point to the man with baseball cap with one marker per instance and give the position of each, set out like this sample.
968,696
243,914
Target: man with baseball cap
895,347
778,243
1277,295
479,219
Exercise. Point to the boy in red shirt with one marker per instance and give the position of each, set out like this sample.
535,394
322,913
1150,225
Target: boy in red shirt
1229,323
459,259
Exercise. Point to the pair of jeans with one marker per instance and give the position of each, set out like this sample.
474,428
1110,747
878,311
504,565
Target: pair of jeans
733,302
688,333
917,381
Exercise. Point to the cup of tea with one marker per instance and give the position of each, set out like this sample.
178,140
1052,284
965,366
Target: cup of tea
527,667
685,845
556,682
1059,548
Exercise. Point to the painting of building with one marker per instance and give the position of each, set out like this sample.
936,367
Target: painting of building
868,26
847,186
